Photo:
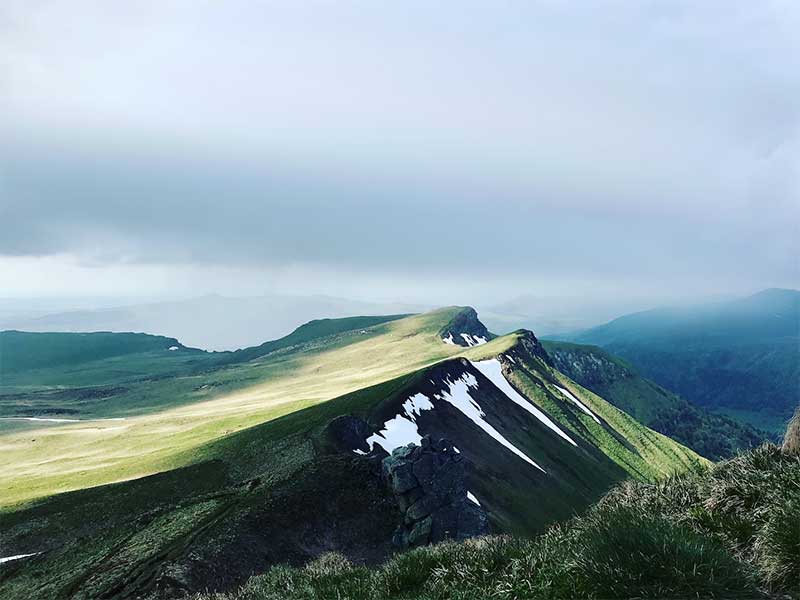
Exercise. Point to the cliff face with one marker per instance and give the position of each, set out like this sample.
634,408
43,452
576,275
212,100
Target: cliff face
588,368
466,330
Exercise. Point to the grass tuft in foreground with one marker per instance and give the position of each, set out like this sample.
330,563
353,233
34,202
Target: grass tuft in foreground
732,531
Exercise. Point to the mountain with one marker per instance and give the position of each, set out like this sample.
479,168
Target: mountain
551,315
217,467
210,322
707,534
711,435
740,358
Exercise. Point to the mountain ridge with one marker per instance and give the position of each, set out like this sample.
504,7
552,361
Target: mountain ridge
228,471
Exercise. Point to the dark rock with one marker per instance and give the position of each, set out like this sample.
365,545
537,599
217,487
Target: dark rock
429,484
404,501
403,479
420,533
530,348
471,518
466,322
425,468
347,433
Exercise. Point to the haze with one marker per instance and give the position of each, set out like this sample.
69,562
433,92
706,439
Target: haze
615,154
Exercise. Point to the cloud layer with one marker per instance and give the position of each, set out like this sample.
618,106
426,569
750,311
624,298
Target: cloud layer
534,144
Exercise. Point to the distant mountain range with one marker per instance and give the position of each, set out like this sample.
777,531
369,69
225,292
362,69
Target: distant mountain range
740,357
210,322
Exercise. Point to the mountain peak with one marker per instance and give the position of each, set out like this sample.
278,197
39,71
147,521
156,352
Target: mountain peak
465,329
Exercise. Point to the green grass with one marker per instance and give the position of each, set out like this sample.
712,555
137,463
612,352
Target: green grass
714,436
732,531
22,351
243,484
608,554
168,417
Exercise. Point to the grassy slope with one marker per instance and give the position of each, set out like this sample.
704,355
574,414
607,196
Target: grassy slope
738,358
730,532
641,452
102,540
713,436
132,536
181,413
21,351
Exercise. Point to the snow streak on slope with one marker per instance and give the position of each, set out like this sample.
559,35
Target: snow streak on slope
470,340
402,429
493,371
459,396
17,557
473,340
580,404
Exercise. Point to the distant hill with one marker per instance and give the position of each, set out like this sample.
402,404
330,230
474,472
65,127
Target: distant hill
209,322
740,357
22,351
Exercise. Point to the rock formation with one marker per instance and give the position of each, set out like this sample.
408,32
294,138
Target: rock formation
429,484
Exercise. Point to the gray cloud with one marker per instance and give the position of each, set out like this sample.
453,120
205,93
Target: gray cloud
648,142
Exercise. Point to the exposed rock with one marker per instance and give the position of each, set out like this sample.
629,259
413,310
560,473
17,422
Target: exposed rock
589,368
347,433
791,440
466,322
529,347
428,482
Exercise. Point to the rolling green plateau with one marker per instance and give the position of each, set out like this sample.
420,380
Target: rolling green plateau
739,358
193,471
711,435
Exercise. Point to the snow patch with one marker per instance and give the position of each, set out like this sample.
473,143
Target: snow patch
173,348
471,340
493,371
449,340
580,404
459,396
17,557
402,429
472,498
416,404
55,420
511,358
396,432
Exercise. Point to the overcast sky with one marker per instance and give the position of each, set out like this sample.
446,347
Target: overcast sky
419,151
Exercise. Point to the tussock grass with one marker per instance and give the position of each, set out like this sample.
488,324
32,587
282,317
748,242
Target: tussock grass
732,531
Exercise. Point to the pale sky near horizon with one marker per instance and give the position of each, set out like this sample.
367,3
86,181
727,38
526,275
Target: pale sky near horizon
450,152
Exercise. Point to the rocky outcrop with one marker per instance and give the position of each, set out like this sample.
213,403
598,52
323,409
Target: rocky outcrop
347,433
529,348
429,484
791,441
587,365
466,329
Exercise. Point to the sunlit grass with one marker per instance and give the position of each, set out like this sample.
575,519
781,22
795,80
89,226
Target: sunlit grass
40,462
